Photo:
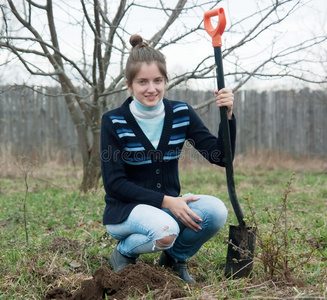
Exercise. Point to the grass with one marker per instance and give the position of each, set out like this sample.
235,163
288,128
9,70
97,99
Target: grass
67,241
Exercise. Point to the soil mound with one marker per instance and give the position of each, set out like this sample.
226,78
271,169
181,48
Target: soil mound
133,282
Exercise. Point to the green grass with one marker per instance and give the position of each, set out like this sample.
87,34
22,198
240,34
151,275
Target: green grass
67,241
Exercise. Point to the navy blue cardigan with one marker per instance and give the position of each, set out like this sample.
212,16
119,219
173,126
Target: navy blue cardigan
134,172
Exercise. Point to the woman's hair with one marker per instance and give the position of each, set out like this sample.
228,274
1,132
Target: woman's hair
140,53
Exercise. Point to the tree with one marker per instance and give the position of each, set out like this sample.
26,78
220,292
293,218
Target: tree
93,53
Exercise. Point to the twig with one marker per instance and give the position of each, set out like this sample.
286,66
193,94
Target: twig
26,167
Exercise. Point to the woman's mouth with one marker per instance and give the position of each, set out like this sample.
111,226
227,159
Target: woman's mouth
151,97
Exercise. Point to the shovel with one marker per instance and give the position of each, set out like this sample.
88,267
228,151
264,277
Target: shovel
241,246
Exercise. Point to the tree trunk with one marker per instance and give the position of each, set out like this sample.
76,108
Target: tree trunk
91,176
91,166
90,150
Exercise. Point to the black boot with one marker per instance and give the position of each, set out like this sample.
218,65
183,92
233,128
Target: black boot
181,270
179,267
119,261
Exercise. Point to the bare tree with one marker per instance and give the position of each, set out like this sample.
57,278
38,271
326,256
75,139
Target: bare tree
42,35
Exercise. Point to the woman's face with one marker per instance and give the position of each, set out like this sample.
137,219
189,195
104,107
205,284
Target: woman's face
148,85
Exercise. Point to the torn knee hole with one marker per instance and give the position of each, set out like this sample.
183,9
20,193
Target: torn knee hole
166,241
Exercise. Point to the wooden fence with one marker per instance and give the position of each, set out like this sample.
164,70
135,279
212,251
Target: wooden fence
285,121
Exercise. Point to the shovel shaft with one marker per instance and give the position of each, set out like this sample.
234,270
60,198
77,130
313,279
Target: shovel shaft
227,144
219,69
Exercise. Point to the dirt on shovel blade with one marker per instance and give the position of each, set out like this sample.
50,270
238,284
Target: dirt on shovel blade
240,251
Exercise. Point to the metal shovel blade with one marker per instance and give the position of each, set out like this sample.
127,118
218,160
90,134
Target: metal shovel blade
240,251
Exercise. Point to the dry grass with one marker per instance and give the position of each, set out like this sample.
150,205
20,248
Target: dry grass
278,161
54,166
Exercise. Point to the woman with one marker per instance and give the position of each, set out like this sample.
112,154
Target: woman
141,142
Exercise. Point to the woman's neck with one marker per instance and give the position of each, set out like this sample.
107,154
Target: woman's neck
140,111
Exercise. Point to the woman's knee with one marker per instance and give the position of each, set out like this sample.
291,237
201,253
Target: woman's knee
166,242
166,237
219,214
214,211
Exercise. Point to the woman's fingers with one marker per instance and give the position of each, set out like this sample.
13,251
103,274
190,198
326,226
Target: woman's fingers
188,221
225,97
188,217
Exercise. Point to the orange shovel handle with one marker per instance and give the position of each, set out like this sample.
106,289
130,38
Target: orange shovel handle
217,32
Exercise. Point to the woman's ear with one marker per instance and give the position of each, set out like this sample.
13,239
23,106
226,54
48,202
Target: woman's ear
129,87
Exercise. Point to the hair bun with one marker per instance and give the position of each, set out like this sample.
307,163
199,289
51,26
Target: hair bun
137,41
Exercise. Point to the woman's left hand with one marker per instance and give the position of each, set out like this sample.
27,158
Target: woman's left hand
225,97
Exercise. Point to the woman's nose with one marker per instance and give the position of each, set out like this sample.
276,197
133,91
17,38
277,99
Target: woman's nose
151,87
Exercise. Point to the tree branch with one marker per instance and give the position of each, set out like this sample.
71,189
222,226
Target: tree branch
174,15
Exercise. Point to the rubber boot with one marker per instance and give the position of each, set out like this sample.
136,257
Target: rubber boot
179,267
119,261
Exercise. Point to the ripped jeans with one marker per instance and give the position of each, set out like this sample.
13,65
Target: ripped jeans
147,224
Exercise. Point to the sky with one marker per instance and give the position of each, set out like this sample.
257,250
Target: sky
305,22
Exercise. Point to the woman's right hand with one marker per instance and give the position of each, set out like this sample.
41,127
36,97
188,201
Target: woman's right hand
179,208
225,97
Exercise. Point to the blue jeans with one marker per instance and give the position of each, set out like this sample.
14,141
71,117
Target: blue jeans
147,224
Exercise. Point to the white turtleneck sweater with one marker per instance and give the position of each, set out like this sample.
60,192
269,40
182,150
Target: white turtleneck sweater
150,119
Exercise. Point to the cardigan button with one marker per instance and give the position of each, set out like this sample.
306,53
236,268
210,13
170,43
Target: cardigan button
158,185
158,171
